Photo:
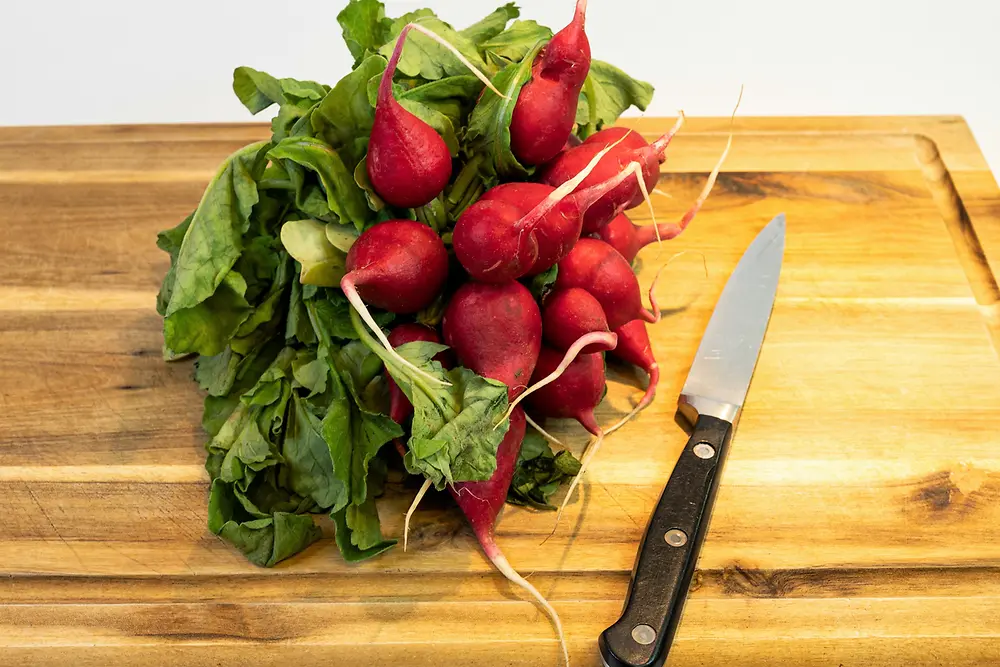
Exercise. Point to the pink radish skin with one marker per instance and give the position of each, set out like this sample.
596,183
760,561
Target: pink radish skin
495,241
399,266
545,111
576,392
495,247
408,162
598,268
496,331
628,194
569,314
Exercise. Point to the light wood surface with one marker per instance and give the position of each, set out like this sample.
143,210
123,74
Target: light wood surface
858,521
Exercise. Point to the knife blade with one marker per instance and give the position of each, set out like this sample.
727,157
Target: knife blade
711,401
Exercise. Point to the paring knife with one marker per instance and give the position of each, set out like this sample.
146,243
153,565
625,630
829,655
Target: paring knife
711,400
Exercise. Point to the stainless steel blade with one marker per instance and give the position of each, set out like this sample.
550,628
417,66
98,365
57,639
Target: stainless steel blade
720,375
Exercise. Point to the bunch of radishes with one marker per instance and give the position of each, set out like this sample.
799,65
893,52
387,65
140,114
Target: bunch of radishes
549,354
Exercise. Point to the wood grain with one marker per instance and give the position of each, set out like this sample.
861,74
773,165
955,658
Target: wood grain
858,520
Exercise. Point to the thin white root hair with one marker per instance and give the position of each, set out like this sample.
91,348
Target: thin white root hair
710,183
502,564
661,144
588,456
649,202
662,193
413,508
606,337
352,295
545,434
472,68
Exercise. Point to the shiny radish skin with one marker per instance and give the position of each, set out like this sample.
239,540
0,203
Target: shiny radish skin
634,348
408,162
569,314
621,234
481,503
545,111
495,331
489,244
632,148
576,392
495,241
598,268
397,265
400,407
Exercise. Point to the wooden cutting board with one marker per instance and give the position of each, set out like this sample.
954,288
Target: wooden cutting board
858,521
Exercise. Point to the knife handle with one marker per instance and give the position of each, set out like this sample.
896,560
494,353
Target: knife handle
668,552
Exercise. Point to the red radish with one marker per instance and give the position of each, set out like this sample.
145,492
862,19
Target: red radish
481,502
629,147
626,195
408,162
496,331
545,110
633,347
494,239
569,314
575,393
399,266
596,267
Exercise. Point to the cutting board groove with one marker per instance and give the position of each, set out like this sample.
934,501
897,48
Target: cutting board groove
858,520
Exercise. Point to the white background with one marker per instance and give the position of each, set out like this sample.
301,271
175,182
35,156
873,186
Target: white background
137,61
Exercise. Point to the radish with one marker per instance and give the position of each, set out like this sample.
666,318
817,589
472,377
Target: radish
399,266
625,151
545,110
408,162
598,268
633,347
481,502
496,331
575,393
569,314
494,239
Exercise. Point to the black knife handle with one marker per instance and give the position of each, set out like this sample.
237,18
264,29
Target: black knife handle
666,559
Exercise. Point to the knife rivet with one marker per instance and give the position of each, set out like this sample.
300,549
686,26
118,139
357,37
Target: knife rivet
644,634
703,450
676,537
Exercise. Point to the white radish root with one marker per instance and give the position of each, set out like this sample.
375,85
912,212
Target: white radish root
413,508
502,564
545,434
588,456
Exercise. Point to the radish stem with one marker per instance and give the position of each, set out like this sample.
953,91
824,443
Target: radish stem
347,285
